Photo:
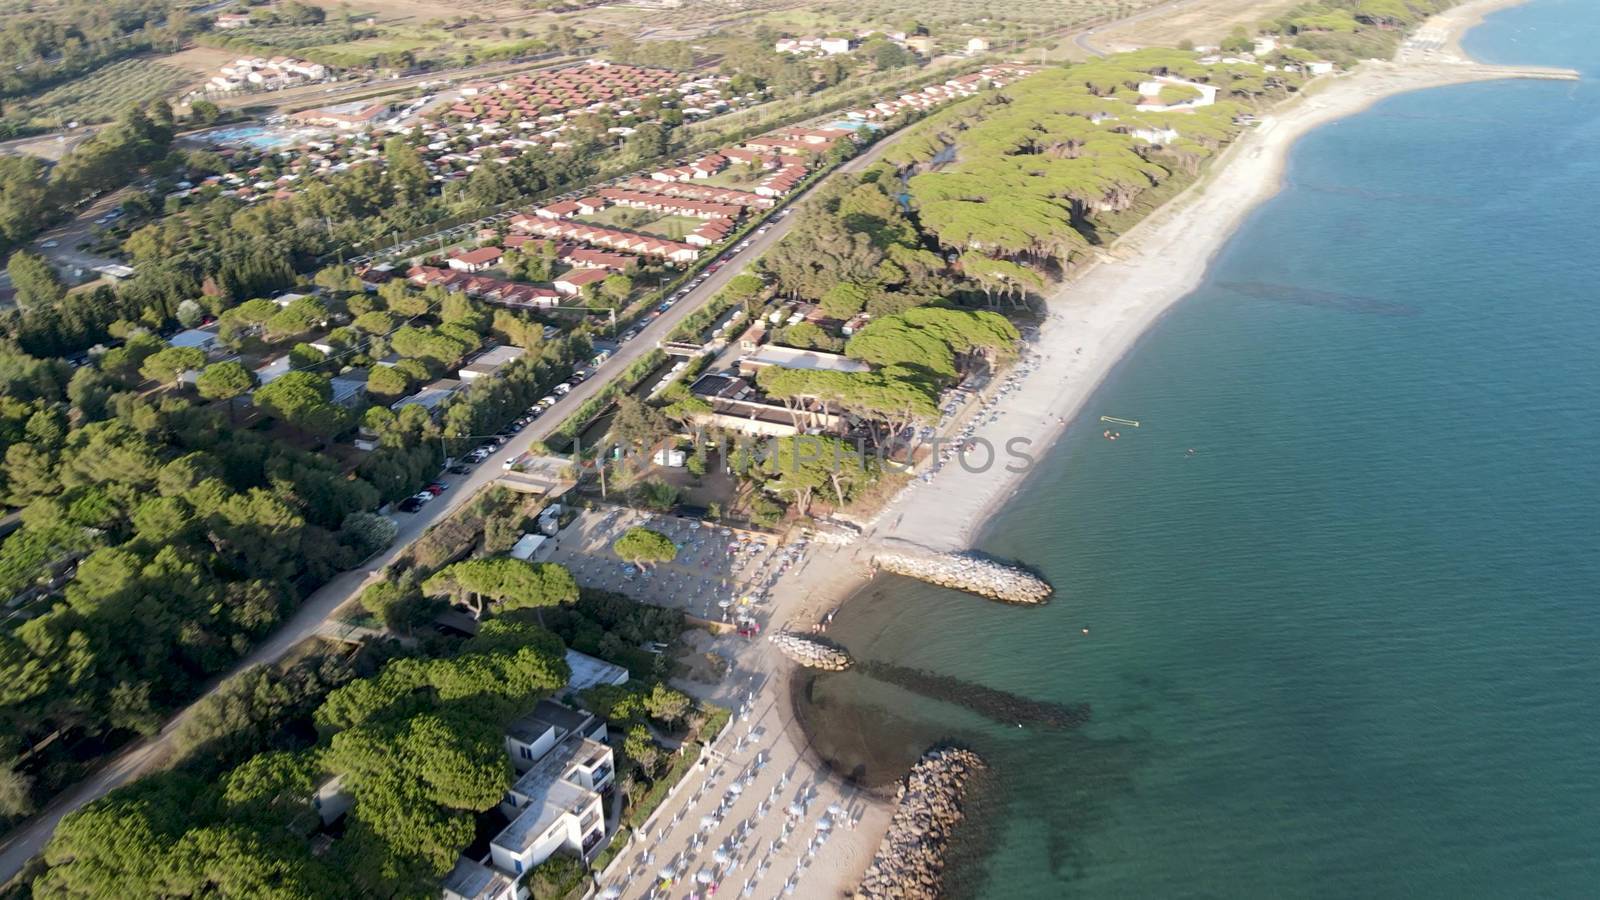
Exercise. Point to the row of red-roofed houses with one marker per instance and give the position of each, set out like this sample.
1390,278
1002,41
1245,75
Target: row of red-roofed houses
575,255
704,192
613,238
704,167
782,181
487,288
713,232
663,203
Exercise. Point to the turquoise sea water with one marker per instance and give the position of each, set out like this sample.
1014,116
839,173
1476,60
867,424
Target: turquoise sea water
1351,648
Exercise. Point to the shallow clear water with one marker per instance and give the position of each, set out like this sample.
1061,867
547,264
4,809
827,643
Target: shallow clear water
1351,647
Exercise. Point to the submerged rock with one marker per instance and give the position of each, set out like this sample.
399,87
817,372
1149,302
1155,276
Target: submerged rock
969,573
910,861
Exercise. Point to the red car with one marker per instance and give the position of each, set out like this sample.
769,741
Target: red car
435,488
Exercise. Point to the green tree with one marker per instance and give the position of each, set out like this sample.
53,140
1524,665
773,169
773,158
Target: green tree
302,400
616,289
165,366
388,383
639,425
512,583
35,282
666,705
644,547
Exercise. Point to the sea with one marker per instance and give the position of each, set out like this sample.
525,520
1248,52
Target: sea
1349,647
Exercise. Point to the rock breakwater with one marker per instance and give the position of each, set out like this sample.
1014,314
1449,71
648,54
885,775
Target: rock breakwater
972,574
812,652
910,861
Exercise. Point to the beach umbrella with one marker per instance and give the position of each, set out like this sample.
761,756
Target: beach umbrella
796,809
736,789
707,822
824,823
835,809
668,873
611,893
704,876
721,857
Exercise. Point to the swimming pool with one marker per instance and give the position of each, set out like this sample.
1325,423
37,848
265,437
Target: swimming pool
260,137
851,125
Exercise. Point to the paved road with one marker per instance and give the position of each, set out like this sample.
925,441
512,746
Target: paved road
77,266
29,839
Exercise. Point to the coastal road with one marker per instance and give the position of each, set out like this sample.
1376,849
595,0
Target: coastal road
28,839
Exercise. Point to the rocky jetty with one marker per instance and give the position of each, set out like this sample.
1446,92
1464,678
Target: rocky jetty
910,861
969,573
812,652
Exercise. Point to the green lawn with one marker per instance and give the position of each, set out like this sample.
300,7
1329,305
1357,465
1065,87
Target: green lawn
644,222
735,176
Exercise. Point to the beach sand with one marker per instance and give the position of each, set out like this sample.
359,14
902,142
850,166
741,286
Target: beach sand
1096,318
1093,321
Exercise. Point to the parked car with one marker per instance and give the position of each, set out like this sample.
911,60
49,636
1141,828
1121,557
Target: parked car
411,504
459,469
435,488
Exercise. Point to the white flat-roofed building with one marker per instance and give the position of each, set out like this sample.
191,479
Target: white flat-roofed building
794,358
588,672
489,364
555,806
430,396
204,339
529,738
475,881
349,387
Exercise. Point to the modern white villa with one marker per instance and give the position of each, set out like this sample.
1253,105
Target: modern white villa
555,805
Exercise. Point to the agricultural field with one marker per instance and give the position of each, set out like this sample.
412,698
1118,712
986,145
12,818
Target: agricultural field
952,21
416,12
437,45
1200,21
104,94
291,37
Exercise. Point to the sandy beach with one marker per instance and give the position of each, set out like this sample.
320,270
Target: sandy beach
1096,318
1092,323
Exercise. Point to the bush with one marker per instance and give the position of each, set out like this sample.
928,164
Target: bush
554,878
368,533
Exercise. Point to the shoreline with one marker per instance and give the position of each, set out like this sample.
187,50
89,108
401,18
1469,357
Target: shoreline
1094,322
1097,318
